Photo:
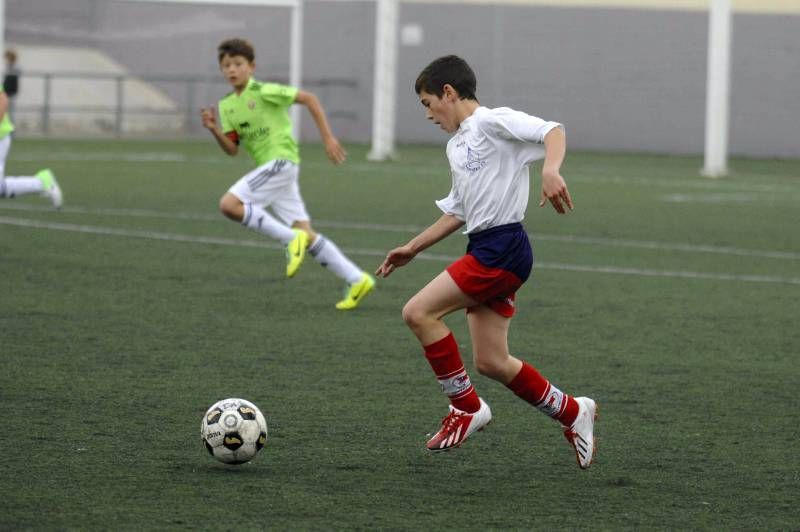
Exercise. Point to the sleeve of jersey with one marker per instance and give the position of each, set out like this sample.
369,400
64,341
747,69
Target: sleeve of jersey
516,125
452,205
277,94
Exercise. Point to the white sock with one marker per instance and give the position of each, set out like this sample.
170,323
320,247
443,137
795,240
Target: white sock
257,219
11,187
326,253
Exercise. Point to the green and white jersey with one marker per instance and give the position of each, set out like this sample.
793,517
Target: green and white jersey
259,119
6,126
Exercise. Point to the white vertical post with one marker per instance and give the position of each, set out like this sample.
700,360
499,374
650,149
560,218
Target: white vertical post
718,88
296,62
385,82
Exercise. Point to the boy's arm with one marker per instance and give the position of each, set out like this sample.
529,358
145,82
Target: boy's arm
335,152
3,104
554,188
210,123
401,256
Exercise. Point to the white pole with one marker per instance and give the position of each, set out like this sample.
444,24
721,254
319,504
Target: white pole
296,62
718,88
385,82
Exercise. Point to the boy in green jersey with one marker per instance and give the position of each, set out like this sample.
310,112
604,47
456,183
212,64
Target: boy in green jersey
255,116
43,183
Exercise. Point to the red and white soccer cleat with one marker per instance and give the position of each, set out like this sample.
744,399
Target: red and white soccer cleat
457,426
581,434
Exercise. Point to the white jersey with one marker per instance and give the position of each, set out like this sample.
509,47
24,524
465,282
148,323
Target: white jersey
489,159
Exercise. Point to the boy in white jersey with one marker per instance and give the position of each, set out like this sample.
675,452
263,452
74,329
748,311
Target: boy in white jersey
489,154
255,115
43,183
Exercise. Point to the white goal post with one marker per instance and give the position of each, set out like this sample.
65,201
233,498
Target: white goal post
717,90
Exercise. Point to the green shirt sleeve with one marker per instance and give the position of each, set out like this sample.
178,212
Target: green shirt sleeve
277,94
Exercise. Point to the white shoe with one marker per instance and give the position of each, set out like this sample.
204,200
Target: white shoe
457,426
581,434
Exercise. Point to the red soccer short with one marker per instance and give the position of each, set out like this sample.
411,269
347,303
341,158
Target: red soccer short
497,263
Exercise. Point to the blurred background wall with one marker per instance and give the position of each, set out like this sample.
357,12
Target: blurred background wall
626,79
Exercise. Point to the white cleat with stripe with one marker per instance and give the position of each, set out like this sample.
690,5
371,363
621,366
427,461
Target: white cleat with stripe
581,434
457,426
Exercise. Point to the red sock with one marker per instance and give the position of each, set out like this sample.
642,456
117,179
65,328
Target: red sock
444,358
532,387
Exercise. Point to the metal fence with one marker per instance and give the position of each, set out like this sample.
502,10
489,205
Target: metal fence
97,104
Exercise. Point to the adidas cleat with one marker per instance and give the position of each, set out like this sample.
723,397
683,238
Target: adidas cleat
457,426
581,434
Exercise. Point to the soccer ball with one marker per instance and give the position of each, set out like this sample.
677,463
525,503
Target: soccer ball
233,431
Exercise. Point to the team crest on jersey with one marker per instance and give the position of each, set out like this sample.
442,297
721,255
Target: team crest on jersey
251,104
473,163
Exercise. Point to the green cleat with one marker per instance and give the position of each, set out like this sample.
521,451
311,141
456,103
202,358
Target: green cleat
296,252
50,187
356,292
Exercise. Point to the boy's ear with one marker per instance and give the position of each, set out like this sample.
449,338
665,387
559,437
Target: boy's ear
449,92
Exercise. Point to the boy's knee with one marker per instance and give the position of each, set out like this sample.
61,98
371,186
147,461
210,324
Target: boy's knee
231,208
413,315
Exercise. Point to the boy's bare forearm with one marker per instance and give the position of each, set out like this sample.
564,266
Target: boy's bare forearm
555,149
318,114
227,145
441,228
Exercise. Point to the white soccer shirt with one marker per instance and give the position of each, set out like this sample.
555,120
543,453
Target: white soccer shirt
489,159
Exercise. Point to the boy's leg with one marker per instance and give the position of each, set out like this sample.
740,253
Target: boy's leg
246,202
288,204
423,314
489,332
44,182
254,217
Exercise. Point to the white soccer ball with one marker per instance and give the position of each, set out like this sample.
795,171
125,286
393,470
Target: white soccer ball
233,431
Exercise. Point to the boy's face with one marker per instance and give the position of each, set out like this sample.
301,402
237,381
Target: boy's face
440,110
237,70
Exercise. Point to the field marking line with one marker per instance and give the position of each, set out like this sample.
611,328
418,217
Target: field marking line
389,228
177,237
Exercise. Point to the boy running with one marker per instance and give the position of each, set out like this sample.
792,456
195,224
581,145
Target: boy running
43,183
255,115
489,154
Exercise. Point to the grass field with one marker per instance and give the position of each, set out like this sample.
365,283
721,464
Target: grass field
669,298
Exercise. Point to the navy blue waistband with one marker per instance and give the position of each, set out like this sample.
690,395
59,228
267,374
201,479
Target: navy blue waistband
507,228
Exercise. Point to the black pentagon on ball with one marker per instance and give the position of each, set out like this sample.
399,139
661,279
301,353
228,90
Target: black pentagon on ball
208,447
262,439
247,412
232,441
213,416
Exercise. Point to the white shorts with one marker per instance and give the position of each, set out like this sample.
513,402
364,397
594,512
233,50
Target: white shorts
274,185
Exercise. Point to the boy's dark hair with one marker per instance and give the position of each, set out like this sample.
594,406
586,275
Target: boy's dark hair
234,47
447,70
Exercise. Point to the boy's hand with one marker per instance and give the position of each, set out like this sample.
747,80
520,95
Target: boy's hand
208,117
335,152
555,190
394,259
